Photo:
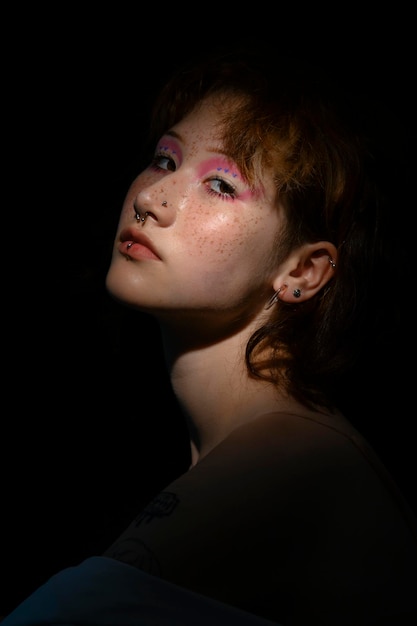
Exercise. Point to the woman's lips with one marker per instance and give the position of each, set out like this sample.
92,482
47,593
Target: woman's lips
136,250
136,245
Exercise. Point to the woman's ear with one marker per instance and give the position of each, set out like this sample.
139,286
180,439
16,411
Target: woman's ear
306,271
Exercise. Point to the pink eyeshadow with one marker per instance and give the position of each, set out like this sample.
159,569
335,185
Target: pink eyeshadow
222,166
170,145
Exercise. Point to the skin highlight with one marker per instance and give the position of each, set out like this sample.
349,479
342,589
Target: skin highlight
220,227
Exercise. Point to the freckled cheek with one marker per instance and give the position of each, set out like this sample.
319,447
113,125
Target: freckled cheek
220,235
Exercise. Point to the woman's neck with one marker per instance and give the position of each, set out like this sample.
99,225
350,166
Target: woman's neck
215,391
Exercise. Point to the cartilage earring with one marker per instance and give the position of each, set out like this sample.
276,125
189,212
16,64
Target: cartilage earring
296,293
274,298
332,263
164,203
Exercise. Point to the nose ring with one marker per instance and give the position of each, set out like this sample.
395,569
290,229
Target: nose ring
164,203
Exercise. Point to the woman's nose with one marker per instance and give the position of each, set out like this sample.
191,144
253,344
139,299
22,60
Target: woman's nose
148,208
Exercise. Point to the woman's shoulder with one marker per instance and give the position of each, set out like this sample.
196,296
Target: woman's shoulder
288,496
302,435
307,458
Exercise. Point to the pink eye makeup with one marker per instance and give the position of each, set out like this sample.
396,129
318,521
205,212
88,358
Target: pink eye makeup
168,155
220,175
170,147
221,166
223,172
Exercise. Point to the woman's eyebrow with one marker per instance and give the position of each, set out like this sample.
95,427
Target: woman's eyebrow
172,133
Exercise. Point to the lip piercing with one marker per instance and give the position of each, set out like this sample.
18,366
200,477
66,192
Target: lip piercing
129,245
164,203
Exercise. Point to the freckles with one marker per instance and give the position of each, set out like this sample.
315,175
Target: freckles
195,145
222,237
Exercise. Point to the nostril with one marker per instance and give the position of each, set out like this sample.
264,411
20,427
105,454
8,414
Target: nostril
148,214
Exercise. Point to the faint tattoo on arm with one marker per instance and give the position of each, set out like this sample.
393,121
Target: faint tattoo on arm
163,505
130,548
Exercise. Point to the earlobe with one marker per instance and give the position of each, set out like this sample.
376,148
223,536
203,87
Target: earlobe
308,270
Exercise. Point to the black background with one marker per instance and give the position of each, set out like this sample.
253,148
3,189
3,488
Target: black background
89,427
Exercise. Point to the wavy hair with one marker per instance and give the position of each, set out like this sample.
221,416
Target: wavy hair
333,179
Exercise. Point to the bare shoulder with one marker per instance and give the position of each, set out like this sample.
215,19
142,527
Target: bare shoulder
304,440
309,460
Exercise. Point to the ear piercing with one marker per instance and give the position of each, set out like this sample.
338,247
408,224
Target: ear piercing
297,292
275,297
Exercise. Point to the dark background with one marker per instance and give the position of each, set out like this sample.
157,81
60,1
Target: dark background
89,427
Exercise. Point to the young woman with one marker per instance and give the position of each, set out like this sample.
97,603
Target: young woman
258,238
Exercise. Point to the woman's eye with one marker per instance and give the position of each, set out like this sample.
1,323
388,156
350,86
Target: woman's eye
164,162
220,187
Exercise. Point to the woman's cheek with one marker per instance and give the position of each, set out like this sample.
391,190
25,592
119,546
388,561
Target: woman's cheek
218,238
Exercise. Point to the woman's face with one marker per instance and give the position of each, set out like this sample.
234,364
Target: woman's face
210,248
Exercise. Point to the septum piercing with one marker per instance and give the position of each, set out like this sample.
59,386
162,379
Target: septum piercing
142,219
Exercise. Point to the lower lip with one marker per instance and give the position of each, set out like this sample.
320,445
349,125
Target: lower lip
136,251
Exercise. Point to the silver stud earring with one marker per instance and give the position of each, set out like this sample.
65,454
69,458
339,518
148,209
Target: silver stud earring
296,293
332,263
